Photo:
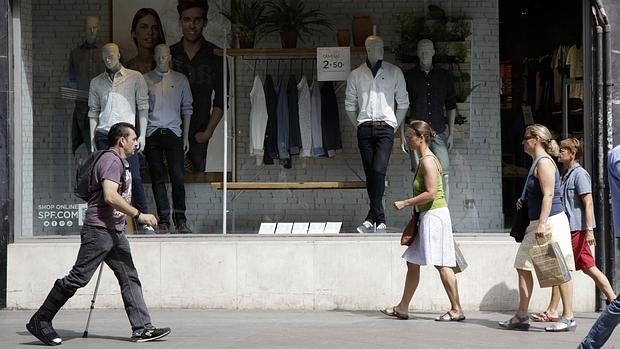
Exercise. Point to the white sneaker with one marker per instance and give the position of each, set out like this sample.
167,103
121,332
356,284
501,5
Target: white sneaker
366,227
148,229
381,228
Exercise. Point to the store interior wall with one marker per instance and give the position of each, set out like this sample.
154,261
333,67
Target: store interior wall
475,200
531,32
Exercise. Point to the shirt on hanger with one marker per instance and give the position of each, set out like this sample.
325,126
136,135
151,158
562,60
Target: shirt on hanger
258,118
305,109
315,119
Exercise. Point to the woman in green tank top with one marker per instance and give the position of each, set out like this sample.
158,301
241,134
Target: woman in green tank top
434,243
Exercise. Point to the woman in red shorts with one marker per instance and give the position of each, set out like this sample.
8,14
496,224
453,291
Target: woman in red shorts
576,187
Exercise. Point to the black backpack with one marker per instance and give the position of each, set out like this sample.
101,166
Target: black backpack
83,175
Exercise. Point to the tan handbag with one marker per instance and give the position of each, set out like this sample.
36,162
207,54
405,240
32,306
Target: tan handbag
410,231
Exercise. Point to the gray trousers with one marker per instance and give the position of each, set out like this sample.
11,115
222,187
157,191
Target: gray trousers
112,247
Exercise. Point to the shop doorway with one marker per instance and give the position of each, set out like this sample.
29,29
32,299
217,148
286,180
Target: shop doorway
541,69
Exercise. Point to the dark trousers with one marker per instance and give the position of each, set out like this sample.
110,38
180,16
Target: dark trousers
164,144
138,196
375,145
112,247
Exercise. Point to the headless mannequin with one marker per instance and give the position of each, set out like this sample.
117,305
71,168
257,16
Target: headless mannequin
426,51
162,60
111,58
443,144
374,52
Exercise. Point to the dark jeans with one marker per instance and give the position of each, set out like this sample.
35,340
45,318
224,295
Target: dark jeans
138,196
164,144
109,246
375,145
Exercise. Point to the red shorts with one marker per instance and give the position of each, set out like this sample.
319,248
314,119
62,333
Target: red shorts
581,250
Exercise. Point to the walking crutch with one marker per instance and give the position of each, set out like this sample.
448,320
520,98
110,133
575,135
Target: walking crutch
92,302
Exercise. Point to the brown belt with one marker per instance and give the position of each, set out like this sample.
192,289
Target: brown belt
375,124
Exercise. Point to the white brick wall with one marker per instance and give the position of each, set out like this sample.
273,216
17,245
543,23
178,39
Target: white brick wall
58,27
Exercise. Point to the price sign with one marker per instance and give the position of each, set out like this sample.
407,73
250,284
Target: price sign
333,63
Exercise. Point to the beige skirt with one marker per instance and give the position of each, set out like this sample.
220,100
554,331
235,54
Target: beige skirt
557,226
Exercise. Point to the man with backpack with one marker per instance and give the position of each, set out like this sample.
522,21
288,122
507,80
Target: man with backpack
103,240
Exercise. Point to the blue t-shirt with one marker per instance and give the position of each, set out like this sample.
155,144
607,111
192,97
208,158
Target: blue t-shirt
575,183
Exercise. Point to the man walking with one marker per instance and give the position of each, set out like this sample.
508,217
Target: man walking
103,240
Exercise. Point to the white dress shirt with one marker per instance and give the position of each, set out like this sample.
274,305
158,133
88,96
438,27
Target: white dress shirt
117,101
374,97
258,118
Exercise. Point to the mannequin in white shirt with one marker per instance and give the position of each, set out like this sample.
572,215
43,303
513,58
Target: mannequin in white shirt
374,52
111,58
162,60
376,102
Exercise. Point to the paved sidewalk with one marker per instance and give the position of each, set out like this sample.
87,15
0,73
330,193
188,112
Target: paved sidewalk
279,329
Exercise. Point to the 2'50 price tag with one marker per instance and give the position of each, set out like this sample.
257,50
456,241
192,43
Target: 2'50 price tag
333,63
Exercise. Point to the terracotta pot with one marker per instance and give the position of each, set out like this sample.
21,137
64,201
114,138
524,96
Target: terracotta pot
246,39
344,37
362,28
288,39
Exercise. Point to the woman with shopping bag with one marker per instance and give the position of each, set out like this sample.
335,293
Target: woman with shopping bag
548,222
576,188
433,243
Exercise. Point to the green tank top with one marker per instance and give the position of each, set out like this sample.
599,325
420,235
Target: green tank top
419,187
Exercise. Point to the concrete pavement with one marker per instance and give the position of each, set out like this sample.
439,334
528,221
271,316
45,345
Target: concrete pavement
278,329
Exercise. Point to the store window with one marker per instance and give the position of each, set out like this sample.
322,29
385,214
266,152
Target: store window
317,190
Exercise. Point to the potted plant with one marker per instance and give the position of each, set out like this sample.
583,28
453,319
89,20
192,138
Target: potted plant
293,20
247,20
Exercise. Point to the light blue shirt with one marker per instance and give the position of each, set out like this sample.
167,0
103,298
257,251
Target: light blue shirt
613,172
117,101
575,183
170,99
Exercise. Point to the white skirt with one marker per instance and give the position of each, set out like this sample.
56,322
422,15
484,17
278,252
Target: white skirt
434,244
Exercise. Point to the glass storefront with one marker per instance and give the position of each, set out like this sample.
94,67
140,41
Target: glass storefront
316,191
